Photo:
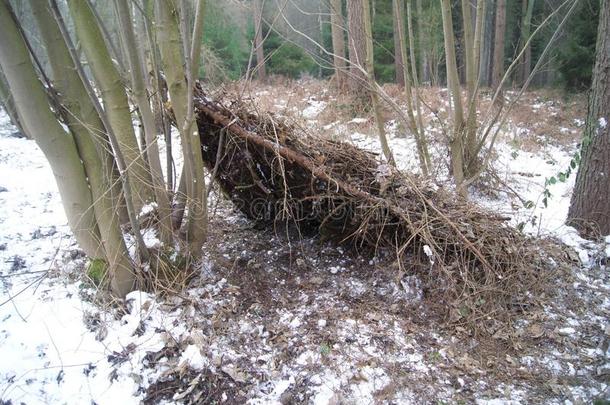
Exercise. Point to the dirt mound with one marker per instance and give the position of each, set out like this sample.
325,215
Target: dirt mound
472,262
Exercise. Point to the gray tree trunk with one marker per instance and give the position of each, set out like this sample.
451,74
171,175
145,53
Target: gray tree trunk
370,74
398,20
590,206
487,50
115,101
7,102
500,32
180,83
338,37
258,40
136,69
93,147
357,48
58,146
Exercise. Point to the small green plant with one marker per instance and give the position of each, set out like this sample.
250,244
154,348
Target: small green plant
324,349
434,357
96,270
561,177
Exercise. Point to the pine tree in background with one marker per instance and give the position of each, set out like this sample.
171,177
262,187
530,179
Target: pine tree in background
576,55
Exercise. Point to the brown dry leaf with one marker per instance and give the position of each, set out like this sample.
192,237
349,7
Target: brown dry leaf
235,373
535,331
190,389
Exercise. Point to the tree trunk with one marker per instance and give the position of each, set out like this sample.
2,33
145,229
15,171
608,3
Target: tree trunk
7,102
136,69
453,82
423,49
58,146
500,32
93,147
471,163
357,47
368,37
258,40
526,24
398,22
338,38
468,42
115,100
485,67
590,206
180,84
422,144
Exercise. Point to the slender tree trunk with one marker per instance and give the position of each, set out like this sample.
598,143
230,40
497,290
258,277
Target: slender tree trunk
526,24
453,82
357,46
58,146
469,56
423,49
258,40
500,32
398,22
93,147
148,120
424,155
368,35
590,206
338,37
485,67
7,102
470,148
114,98
180,84
400,35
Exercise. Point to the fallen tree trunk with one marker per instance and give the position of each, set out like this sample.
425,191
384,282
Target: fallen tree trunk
273,171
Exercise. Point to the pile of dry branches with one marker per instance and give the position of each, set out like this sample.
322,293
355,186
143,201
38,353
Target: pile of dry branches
472,263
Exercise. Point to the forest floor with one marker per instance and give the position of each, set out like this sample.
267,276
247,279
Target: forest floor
278,319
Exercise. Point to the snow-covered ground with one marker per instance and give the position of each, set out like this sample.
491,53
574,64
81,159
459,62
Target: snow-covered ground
303,323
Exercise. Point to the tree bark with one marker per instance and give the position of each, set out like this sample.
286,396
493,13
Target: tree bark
453,82
420,139
399,24
258,40
7,102
469,56
485,67
93,147
338,37
500,32
590,205
136,69
526,24
115,101
423,49
368,35
180,84
58,146
357,48
471,163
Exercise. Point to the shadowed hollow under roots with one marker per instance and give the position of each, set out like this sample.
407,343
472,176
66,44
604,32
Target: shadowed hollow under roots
475,266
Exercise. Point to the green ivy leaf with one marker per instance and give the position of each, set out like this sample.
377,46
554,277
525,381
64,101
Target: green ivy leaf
529,204
552,180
